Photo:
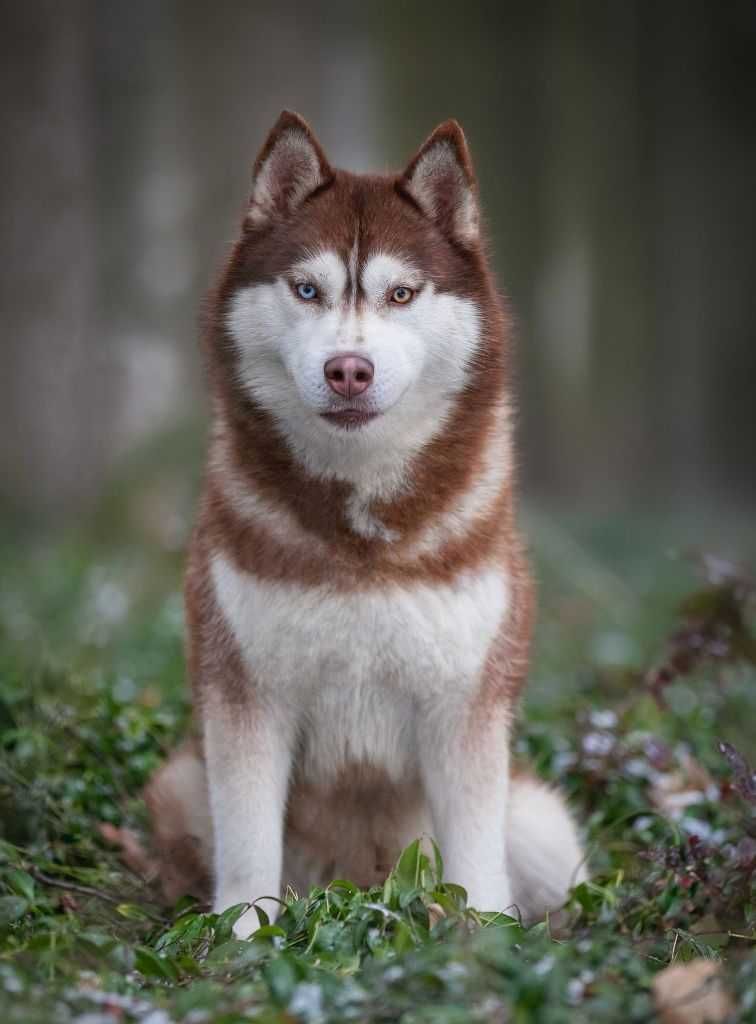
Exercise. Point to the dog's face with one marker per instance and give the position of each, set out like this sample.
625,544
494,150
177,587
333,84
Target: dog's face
355,306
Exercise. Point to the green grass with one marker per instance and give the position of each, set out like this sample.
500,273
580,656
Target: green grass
92,695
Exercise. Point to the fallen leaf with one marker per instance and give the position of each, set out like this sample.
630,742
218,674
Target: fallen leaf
692,993
674,791
68,902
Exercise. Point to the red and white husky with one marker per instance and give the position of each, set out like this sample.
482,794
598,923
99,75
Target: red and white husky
359,606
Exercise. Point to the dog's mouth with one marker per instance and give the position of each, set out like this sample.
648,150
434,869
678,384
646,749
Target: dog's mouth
350,419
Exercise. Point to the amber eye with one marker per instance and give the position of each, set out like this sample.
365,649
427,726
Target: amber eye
402,295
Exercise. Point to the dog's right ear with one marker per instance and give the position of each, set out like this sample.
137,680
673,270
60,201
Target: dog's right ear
290,167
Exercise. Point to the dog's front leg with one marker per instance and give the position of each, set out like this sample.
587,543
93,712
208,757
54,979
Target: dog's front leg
248,755
464,760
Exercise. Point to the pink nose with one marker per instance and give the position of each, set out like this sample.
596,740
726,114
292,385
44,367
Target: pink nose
348,375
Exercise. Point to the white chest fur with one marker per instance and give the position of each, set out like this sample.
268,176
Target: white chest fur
355,665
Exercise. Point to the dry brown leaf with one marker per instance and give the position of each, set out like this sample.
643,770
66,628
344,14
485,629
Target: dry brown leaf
692,993
68,902
673,792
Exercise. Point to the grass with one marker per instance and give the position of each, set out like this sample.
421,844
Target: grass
644,667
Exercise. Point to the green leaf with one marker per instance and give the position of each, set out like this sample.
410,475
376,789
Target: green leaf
234,953
456,893
97,941
148,963
341,883
11,909
388,889
132,912
448,904
438,863
22,883
269,931
499,920
408,896
409,866
224,926
281,977
185,926
494,945
403,938
188,965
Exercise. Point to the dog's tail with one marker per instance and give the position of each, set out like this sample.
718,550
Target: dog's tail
546,857
182,833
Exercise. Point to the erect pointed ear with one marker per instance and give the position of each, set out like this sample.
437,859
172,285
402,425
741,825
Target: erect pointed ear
441,180
290,167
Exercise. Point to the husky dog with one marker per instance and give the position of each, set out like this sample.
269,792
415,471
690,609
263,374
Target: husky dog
358,602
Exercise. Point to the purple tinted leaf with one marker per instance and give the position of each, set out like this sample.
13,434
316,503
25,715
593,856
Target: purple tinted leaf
744,778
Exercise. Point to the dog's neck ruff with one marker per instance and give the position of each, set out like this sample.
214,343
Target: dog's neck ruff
418,499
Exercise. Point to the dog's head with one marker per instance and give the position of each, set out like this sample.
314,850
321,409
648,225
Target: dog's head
353,308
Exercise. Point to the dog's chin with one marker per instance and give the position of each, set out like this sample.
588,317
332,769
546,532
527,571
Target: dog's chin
350,419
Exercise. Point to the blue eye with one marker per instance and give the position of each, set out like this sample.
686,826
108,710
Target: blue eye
306,291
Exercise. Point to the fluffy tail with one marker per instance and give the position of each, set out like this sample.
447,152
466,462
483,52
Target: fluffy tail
182,831
545,854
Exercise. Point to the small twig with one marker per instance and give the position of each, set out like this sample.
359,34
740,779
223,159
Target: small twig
86,890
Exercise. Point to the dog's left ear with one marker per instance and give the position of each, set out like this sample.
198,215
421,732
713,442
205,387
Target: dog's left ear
441,180
290,167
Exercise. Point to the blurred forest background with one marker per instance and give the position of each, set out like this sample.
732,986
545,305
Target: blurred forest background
616,148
